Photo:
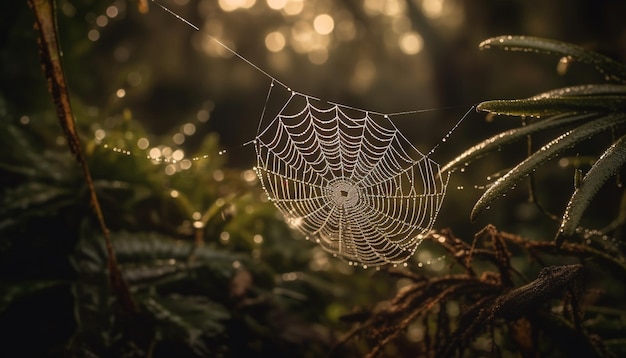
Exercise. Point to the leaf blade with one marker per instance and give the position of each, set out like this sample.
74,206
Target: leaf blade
545,153
611,68
492,143
542,106
605,167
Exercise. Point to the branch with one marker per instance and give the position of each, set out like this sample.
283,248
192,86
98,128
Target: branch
50,56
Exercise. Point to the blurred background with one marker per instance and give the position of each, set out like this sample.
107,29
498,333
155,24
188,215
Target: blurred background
148,86
386,56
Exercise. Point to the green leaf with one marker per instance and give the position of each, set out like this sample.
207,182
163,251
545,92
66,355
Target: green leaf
606,166
149,259
584,90
564,141
611,68
539,106
191,319
493,143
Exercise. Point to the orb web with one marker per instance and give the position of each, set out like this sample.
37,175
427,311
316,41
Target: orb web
349,180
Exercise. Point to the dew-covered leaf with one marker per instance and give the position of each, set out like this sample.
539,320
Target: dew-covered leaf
493,143
539,106
611,68
584,90
548,151
606,166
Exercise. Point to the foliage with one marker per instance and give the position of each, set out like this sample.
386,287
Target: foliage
579,112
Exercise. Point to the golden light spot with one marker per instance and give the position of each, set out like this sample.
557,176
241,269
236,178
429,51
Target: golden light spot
102,20
373,6
120,93
189,129
196,215
411,43
432,8
258,239
185,164
203,115
166,152
178,154
218,175
93,35
178,138
393,7
155,153
170,169
232,5
275,41
112,11
249,176
100,134
324,24
276,4
174,193
293,7
143,143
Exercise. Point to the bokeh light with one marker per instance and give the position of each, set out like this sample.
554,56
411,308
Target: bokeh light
232,5
411,43
324,24
275,41
276,4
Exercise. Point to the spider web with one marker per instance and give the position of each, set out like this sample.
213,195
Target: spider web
345,177
348,179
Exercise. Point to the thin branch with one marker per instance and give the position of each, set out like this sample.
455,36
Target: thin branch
50,55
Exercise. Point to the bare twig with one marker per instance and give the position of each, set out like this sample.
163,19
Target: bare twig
50,54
